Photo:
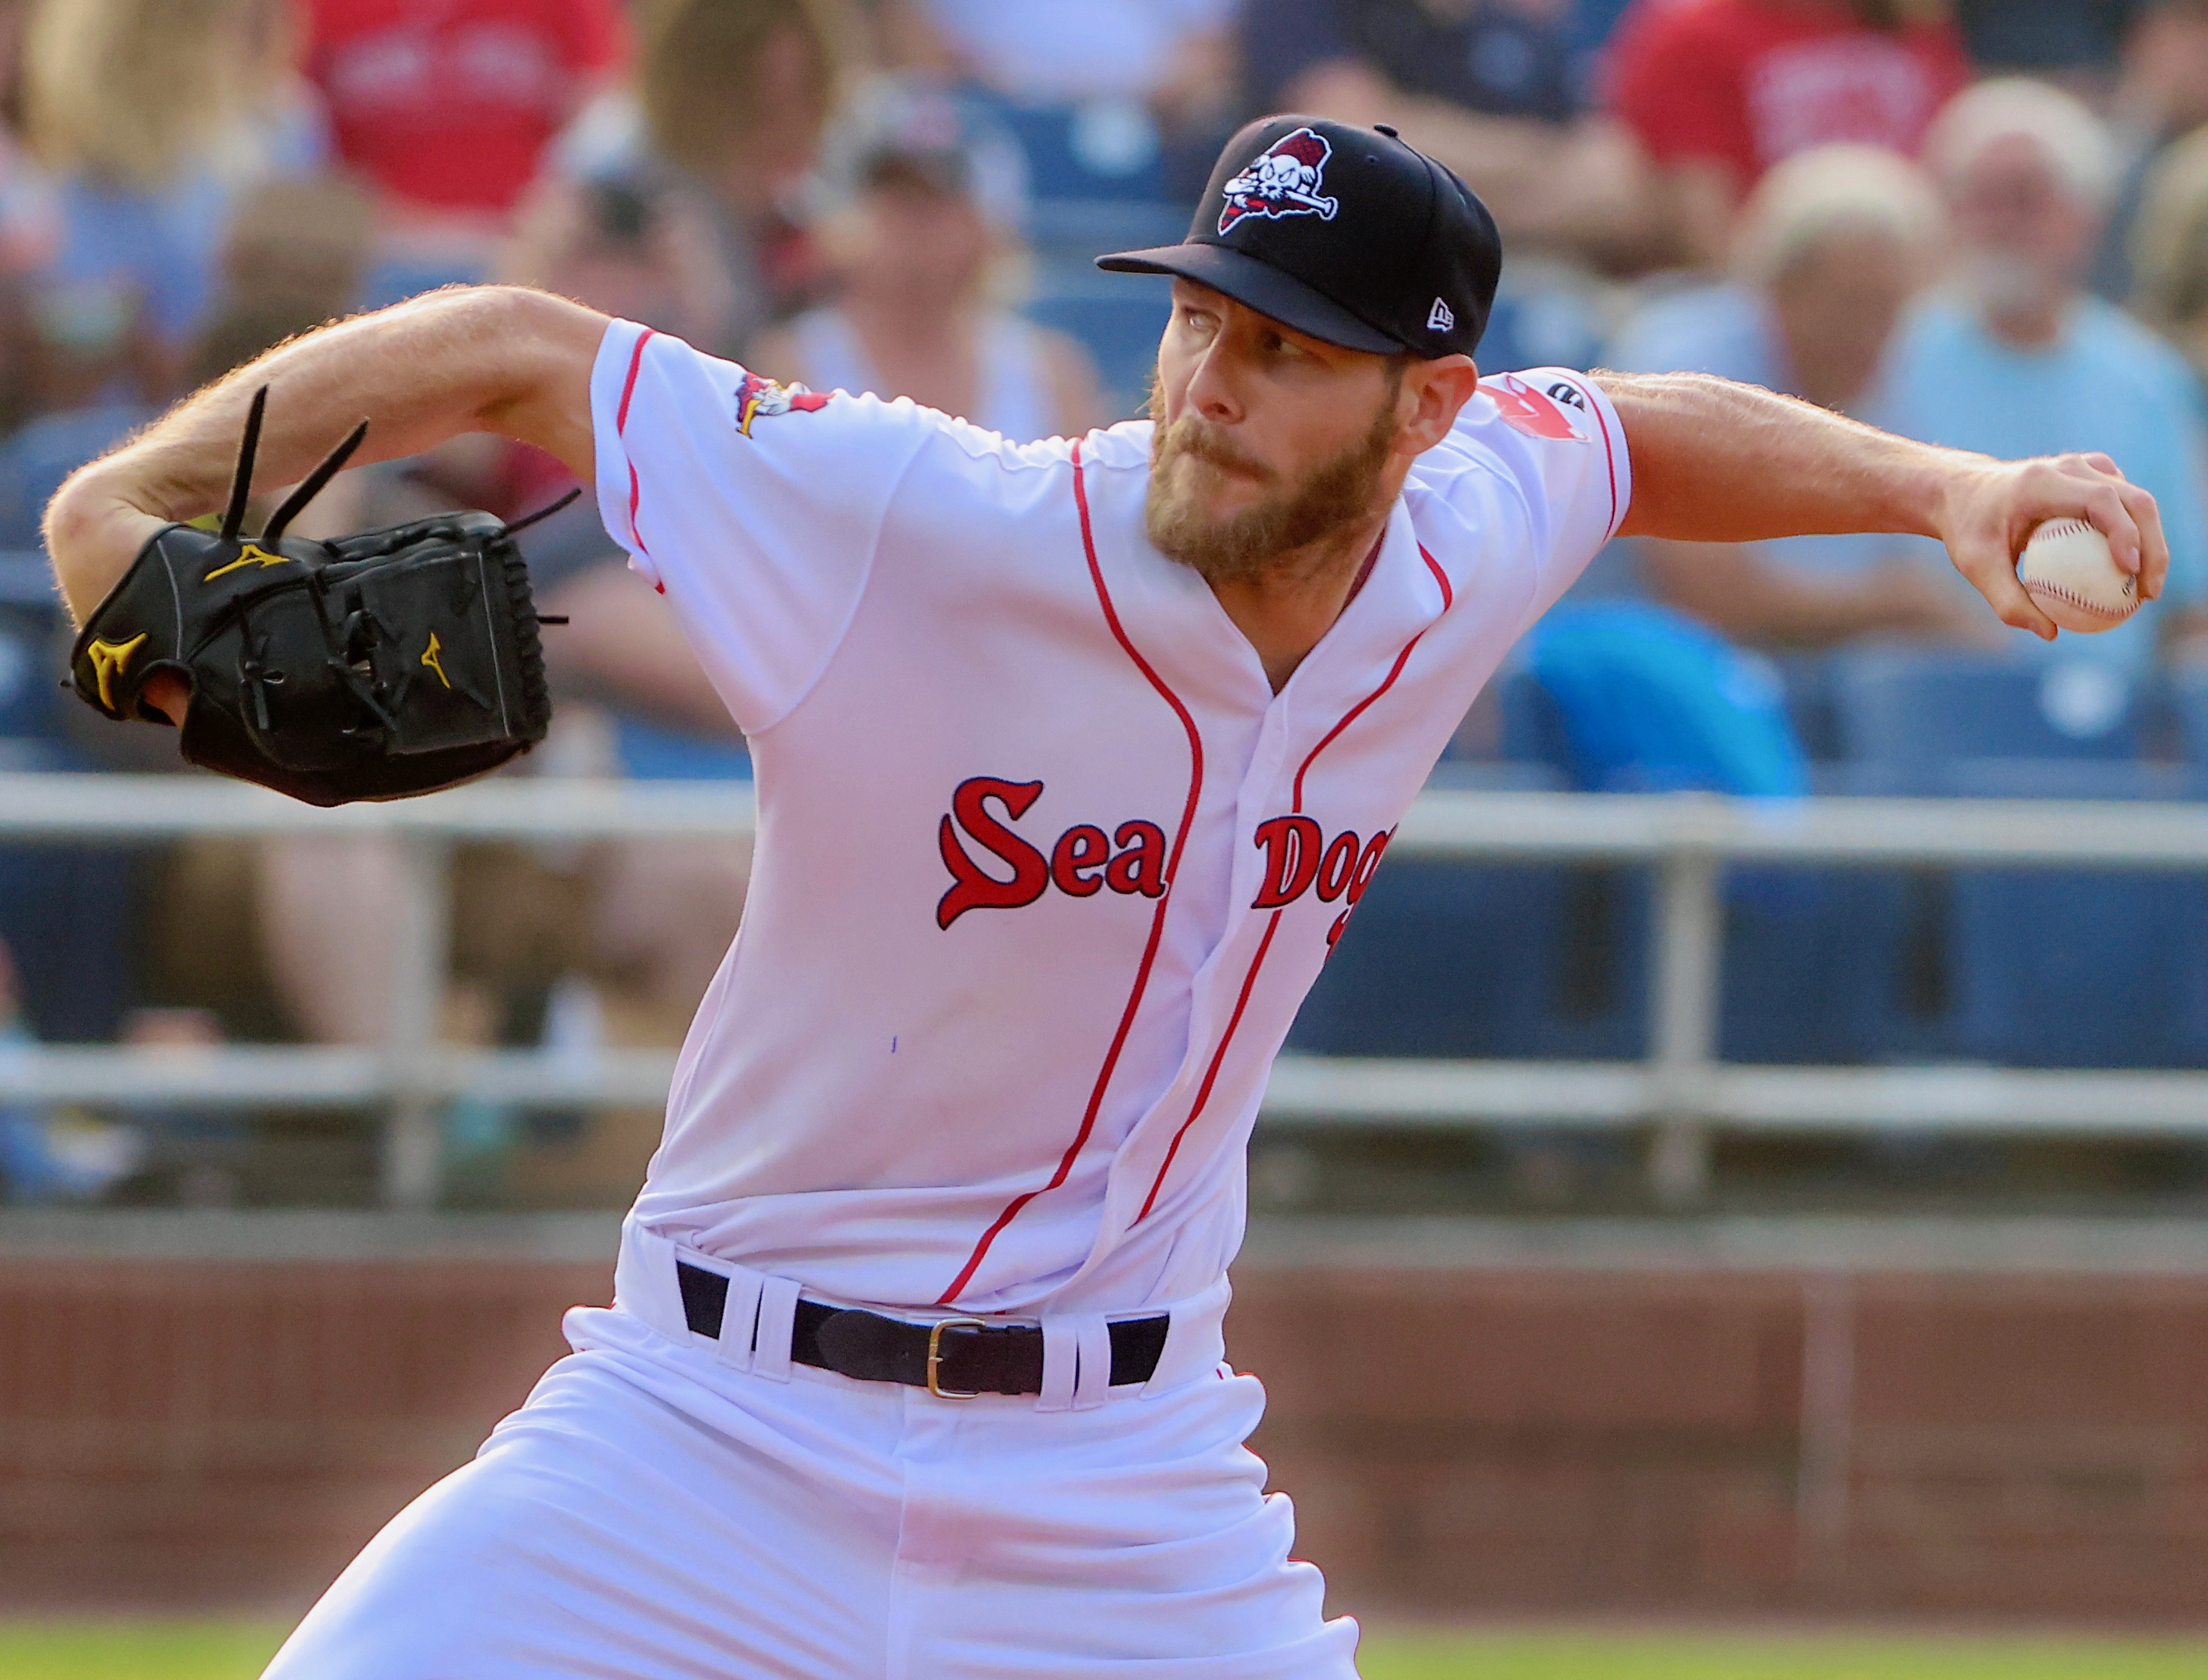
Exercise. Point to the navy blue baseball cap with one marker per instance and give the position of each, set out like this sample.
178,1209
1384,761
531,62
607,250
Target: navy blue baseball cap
1346,234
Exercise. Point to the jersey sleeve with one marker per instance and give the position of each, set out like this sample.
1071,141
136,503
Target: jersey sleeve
755,507
1553,433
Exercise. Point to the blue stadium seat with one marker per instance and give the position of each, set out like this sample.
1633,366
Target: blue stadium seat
1807,952
1444,958
1118,323
67,915
2077,969
1918,713
1097,150
2187,695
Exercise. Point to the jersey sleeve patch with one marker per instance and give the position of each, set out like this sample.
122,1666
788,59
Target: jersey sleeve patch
1556,414
760,398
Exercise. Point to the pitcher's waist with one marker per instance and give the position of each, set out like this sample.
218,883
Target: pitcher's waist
761,1322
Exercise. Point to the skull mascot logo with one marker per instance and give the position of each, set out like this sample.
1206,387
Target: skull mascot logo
1283,181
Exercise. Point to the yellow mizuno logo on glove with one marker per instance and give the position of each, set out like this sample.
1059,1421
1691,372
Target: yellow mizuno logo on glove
108,659
430,658
251,554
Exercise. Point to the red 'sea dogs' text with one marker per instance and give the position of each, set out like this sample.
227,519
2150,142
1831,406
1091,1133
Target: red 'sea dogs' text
1131,858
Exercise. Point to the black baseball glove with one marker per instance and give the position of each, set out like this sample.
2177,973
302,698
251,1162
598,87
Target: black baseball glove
386,663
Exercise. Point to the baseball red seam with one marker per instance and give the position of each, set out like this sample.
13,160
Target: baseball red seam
1157,917
1249,979
2079,600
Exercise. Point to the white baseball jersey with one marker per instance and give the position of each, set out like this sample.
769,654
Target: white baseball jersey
1044,864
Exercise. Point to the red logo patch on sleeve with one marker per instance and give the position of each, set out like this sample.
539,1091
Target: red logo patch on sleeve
756,397
1532,412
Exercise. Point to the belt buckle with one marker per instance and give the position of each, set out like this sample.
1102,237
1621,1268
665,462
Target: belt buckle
935,1356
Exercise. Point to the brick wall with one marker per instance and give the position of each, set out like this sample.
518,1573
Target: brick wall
1482,1438
2026,1444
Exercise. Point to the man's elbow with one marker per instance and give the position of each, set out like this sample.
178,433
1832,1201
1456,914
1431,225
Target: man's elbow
71,532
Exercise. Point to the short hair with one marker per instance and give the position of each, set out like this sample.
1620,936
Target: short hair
133,92
2169,240
697,62
1828,189
2074,143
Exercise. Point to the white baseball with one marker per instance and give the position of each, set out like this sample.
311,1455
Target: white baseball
2067,570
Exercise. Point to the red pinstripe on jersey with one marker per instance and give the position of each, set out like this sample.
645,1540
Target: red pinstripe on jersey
621,429
1264,944
1610,461
1011,1209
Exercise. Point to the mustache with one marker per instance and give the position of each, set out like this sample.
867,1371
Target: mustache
1190,439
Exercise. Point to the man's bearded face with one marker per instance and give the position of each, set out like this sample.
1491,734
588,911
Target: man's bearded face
1190,458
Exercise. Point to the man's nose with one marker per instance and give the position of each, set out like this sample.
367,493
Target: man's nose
1212,390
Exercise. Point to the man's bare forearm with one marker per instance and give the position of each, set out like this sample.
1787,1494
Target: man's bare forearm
491,358
1717,462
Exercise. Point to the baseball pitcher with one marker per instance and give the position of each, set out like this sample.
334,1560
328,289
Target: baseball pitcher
1075,758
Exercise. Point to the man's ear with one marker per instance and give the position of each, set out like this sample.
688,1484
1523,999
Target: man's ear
1433,394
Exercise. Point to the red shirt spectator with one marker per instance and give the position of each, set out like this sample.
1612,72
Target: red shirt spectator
447,103
1746,83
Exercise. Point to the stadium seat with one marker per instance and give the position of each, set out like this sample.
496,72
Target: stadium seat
2187,694
2075,969
1118,323
1917,713
66,915
1102,149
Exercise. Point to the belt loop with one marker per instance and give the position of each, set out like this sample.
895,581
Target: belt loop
738,1317
1092,1386
1061,1354
777,1320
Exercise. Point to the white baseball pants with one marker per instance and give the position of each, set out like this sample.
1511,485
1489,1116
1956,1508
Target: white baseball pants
656,1513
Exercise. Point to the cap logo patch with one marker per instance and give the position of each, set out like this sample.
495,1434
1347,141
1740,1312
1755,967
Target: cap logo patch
1440,318
1284,180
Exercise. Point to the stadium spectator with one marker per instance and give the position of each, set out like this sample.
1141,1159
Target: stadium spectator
1719,91
292,261
1493,89
2015,358
1833,244
933,210
709,149
2162,98
446,107
152,118
2169,250
1170,55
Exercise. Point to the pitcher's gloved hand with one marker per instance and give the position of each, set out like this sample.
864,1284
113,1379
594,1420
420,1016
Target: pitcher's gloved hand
386,663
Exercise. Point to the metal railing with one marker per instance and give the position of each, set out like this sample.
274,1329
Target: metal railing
1682,1089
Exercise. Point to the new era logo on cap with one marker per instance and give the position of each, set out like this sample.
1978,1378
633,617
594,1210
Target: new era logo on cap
1440,318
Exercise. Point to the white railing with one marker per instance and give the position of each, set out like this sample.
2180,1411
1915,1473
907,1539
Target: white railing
1682,1089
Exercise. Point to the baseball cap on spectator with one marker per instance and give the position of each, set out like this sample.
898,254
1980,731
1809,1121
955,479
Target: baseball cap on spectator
899,129
1346,234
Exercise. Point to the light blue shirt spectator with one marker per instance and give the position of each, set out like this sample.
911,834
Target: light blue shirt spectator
1728,330
2106,384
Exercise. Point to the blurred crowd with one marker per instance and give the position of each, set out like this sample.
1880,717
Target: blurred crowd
1977,224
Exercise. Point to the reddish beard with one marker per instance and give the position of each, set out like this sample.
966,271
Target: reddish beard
1236,548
